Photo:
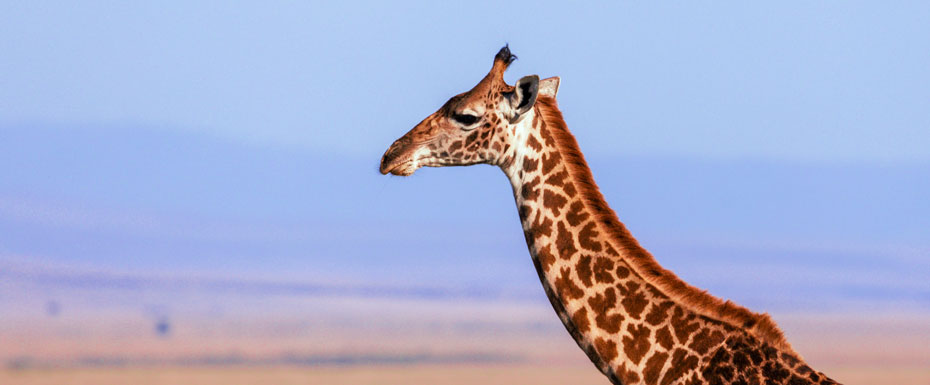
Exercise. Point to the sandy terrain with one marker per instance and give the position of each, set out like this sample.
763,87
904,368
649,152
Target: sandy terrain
241,339
388,375
282,375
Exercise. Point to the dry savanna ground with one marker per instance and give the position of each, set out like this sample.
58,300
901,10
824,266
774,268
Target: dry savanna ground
390,375
388,341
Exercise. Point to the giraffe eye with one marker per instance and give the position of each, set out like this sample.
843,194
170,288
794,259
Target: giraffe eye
465,119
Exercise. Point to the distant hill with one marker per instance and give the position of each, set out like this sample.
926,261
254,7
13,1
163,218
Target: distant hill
154,200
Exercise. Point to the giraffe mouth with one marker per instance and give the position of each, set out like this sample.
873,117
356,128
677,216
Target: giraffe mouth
403,168
403,159
406,156
398,164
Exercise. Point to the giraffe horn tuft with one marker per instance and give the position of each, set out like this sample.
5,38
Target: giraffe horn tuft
505,56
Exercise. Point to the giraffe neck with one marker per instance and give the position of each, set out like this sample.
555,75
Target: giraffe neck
637,322
562,235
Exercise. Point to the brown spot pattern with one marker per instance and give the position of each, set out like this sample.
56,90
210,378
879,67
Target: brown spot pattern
601,305
542,227
681,363
683,328
664,338
627,375
654,367
557,179
533,143
658,313
569,189
566,286
607,349
630,287
789,359
705,340
586,237
565,242
611,251
583,269
530,165
622,271
637,343
471,138
554,202
580,320
546,259
546,135
549,161
529,190
603,270
634,304
576,213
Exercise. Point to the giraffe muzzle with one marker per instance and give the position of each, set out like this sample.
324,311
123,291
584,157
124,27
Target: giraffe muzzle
398,159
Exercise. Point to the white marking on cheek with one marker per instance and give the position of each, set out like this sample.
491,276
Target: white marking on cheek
419,154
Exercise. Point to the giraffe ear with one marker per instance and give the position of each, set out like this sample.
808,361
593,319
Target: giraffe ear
524,96
549,87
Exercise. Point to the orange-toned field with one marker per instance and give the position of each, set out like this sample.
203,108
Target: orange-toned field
272,340
390,375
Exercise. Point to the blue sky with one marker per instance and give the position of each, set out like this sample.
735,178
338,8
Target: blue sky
794,81
242,140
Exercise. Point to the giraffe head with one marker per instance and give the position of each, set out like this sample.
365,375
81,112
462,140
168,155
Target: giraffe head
472,127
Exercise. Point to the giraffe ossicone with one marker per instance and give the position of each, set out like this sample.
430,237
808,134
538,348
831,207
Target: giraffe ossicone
637,322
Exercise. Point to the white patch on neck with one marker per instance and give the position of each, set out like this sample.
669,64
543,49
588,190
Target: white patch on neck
521,133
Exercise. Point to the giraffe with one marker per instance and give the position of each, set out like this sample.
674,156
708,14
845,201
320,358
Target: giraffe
636,321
